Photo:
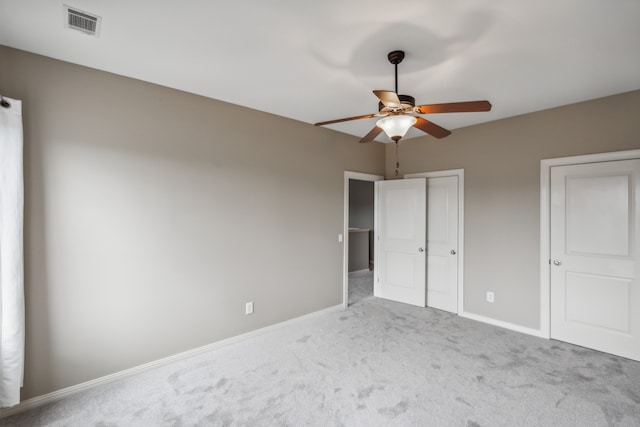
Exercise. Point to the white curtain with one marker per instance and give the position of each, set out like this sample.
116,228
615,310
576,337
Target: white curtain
11,253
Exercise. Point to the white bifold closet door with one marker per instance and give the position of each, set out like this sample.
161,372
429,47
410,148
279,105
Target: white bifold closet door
401,234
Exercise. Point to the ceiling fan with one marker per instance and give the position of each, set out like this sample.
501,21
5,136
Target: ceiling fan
396,111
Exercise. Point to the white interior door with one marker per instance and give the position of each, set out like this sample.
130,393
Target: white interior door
442,243
595,225
401,228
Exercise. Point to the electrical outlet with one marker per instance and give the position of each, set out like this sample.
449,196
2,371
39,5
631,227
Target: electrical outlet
248,308
490,297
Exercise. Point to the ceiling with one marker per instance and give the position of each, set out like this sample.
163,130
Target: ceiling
316,61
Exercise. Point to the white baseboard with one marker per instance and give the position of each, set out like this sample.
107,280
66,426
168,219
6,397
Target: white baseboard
506,325
66,392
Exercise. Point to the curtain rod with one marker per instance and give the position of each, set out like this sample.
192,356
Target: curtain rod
4,103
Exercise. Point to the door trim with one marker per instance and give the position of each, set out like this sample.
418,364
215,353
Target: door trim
345,228
460,174
545,222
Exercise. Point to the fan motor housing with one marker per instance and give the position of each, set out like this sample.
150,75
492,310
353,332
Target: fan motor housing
407,101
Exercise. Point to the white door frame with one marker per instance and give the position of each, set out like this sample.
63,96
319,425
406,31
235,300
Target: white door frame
345,229
545,222
460,174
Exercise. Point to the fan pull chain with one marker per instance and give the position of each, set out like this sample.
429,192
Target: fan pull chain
397,161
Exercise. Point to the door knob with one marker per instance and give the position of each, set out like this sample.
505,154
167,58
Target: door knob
453,251
420,249
556,262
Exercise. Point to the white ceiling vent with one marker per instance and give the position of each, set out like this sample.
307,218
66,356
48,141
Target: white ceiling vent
82,21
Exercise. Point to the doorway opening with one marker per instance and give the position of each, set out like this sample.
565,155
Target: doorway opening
359,236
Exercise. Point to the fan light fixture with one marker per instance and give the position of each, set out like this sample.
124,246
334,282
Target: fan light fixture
397,112
396,126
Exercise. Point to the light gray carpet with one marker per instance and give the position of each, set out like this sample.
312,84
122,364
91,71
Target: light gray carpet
378,363
360,286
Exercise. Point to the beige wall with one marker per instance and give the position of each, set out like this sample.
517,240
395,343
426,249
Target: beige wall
501,161
361,215
153,215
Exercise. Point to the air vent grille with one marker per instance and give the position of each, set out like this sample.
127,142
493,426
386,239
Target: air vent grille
82,21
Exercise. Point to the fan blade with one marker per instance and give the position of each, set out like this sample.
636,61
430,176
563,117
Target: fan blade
431,128
330,122
454,107
388,98
371,135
